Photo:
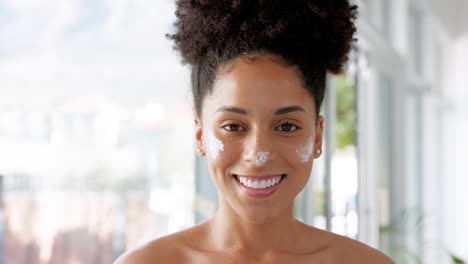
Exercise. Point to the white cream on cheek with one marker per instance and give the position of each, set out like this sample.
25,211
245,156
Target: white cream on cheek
305,152
214,145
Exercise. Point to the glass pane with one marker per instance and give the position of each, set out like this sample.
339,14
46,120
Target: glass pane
388,229
412,218
400,221
96,134
344,170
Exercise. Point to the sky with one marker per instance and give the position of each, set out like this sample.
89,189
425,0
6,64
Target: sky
52,51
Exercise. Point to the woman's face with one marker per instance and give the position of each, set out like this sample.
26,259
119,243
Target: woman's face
258,127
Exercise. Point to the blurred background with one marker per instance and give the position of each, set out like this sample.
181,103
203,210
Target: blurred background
97,144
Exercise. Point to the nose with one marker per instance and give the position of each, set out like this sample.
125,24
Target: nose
257,149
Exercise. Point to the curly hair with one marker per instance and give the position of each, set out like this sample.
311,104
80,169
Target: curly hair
314,35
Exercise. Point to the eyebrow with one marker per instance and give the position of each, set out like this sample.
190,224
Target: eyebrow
280,111
289,109
232,109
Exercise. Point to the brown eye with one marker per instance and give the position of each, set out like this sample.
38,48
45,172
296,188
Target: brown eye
288,127
233,128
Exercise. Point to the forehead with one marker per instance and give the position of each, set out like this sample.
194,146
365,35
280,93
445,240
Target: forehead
261,84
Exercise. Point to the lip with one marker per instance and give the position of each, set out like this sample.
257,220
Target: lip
259,193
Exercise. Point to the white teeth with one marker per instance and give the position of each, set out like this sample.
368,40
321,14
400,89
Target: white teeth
269,183
258,184
249,183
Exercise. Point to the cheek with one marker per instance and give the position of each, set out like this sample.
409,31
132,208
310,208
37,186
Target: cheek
232,153
214,146
305,151
221,152
298,152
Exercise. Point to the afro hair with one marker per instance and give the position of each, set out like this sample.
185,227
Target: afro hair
315,35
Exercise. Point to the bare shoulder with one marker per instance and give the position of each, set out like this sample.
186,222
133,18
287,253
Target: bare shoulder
167,249
161,250
339,249
351,251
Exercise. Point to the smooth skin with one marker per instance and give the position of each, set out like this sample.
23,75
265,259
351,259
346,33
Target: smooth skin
260,106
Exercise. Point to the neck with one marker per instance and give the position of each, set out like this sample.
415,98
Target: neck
229,231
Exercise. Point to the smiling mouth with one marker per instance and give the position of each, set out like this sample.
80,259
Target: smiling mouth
257,182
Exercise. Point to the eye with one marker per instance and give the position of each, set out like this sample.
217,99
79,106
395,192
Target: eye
287,127
233,128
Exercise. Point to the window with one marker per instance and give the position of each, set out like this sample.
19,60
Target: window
96,130
344,167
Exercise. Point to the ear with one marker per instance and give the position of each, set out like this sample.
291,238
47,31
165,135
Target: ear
198,136
198,129
318,137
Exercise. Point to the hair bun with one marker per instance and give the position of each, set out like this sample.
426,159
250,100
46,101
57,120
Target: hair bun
318,31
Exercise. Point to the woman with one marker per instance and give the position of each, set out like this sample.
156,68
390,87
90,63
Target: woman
258,80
